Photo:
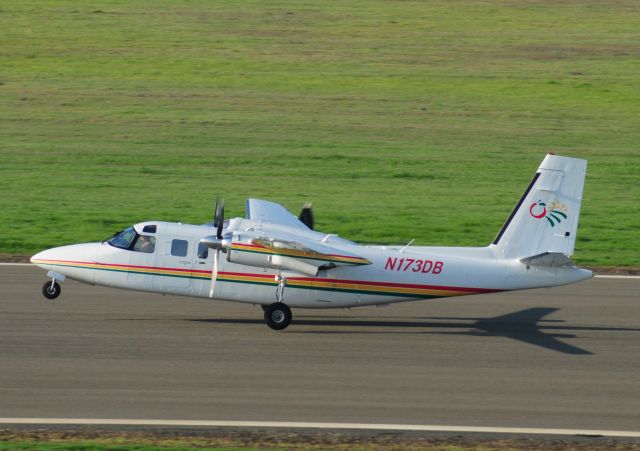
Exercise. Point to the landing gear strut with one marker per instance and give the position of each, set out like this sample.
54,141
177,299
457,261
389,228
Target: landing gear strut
278,316
51,290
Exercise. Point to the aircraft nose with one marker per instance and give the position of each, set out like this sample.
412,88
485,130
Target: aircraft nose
44,257
39,256
73,261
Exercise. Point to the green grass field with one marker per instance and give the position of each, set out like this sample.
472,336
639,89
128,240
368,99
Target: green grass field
399,120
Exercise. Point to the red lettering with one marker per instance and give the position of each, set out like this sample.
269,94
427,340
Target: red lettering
423,266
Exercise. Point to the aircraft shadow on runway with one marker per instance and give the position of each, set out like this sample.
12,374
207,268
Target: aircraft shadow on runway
527,326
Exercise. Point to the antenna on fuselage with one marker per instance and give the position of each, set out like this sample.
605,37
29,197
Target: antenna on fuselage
408,244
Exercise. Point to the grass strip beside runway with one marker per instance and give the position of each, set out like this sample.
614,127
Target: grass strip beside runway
399,120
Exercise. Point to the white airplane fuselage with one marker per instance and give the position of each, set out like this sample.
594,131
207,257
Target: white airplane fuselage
395,274
274,259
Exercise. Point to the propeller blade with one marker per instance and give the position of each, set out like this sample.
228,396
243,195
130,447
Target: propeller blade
220,221
214,273
306,216
215,212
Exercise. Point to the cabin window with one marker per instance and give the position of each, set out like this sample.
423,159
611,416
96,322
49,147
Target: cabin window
144,243
179,248
149,229
203,251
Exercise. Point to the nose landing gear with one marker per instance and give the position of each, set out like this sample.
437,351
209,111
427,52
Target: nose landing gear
51,290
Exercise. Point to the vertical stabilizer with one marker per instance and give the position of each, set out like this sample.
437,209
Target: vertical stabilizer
546,217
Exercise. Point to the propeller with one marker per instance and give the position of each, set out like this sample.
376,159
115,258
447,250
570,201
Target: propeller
306,216
218,223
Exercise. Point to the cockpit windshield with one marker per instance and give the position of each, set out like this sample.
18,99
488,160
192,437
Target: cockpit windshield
131,240
123,239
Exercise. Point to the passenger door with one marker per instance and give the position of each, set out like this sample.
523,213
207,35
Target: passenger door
201,281
174,263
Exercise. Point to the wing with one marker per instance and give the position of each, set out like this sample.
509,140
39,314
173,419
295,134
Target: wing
262,210
281,250
301,248
274,238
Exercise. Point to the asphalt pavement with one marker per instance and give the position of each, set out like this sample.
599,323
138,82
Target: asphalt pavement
566,357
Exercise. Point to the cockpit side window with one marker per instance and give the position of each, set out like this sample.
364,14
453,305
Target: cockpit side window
144,243
123,239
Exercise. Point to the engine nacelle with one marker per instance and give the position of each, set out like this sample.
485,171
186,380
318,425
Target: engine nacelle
271,261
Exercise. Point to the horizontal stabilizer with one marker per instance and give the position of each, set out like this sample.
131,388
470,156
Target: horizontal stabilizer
551,259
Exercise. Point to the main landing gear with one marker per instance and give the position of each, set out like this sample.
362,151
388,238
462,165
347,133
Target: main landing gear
51,290
277,315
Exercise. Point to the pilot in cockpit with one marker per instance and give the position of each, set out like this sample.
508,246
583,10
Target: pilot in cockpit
144,244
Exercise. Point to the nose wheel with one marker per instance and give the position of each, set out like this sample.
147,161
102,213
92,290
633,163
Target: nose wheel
278,316
51,290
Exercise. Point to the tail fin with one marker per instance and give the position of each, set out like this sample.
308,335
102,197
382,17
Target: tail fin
545,220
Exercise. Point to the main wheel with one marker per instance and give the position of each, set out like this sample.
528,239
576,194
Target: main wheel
278,316
51,291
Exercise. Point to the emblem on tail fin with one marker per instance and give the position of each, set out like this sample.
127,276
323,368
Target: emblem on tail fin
554,214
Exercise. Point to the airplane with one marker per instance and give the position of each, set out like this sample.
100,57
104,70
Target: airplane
277,260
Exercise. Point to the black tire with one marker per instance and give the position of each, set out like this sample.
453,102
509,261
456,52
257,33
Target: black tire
264,307
51,292
278,316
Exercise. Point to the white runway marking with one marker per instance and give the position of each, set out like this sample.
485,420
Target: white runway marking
305,425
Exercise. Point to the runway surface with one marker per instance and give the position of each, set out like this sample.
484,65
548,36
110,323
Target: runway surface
566,357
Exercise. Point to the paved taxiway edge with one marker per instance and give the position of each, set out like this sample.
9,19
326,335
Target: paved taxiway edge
312,425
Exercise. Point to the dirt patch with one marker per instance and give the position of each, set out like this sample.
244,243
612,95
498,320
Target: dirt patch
615,270
310,440
8,258
557,52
